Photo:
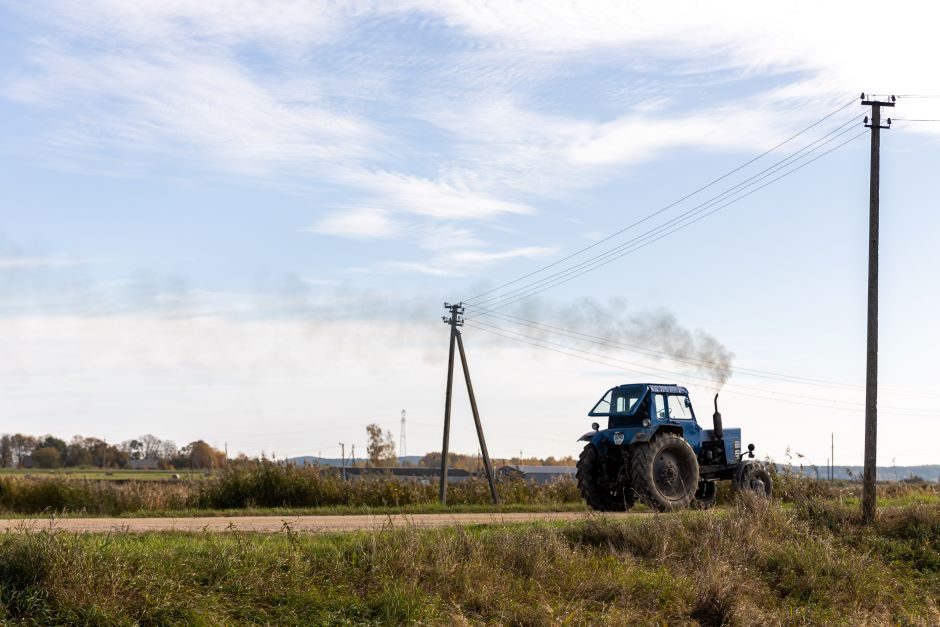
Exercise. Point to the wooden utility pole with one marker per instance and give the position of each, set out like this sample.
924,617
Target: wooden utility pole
490,477
456,320
871,377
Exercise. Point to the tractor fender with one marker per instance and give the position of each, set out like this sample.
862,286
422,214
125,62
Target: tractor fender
607,438
648,434
587,437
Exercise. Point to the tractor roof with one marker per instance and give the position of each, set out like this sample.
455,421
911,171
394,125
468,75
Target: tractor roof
661,388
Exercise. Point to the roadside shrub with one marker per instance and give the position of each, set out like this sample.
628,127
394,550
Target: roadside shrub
28,495
273,485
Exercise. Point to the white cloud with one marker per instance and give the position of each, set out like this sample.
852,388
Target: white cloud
173,102
416,266
481,256
357,223
280,24
287,385
18,263
454,198
467,261
253,88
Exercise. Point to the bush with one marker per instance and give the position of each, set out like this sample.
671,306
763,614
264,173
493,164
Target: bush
262,485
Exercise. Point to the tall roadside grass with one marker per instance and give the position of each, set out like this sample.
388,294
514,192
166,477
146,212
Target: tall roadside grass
21,495
267,485
756,564
263,485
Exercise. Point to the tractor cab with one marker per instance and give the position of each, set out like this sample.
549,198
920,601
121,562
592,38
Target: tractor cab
641,404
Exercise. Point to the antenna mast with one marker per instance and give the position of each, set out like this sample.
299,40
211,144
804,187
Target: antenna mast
402,440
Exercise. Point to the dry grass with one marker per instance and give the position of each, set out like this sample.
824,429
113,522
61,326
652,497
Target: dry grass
264,485
756,564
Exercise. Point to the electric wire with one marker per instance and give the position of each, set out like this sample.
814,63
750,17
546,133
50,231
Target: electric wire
648,368
667,207
645,369
618,345
594,339
740,187
600,261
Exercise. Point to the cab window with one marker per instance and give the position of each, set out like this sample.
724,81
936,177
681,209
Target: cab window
620,401
679,408
603,406
659,406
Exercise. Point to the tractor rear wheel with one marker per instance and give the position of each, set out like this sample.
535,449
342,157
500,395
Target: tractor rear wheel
664,472
599,497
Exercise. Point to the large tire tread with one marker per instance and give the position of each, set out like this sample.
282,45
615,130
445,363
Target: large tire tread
597,497
642,458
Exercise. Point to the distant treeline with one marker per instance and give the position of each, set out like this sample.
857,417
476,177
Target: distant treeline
147,451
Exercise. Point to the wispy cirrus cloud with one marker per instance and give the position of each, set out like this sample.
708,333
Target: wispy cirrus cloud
467,261
357,224
450,114
25,263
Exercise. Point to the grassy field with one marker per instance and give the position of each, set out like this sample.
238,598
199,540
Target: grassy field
265,487
755,564
98,474
278,490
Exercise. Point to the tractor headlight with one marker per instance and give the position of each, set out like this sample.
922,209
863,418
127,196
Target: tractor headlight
646,422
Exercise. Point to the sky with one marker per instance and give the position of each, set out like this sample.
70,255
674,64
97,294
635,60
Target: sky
238,220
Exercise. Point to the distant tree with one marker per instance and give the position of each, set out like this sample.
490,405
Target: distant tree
56,443
167,451
199,455
381,446
77,454
21,446
133,448
6,451
46,457
152,446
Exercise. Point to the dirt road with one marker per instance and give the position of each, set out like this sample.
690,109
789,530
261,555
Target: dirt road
305,524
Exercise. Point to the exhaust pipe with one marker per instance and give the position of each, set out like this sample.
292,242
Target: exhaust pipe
716,418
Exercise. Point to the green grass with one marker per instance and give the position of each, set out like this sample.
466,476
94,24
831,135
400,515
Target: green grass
262,486
335,510
755,564
99,474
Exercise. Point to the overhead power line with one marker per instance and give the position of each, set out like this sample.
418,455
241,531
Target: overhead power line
642,350
675,224
613,362
602,341
667,207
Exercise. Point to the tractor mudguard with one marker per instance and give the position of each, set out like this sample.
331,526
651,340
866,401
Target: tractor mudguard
606,438
587,437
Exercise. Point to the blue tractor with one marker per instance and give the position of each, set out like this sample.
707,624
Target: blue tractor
654,451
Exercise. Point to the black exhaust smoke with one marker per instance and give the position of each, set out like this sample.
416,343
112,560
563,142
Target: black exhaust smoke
716,418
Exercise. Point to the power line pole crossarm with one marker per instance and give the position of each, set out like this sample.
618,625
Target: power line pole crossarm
871,367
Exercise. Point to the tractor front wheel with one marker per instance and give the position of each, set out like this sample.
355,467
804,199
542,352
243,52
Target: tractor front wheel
599,497
664,472
706,495
753,477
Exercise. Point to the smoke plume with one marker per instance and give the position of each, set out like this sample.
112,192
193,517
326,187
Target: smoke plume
658,334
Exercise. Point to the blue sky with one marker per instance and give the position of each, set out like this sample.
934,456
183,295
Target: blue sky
238,220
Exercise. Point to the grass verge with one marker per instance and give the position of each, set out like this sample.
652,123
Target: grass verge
814,564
